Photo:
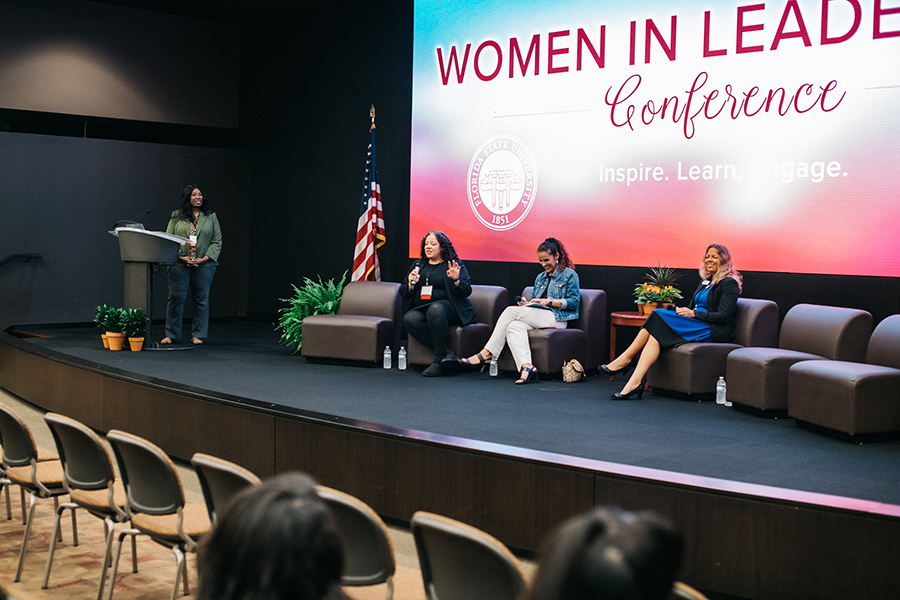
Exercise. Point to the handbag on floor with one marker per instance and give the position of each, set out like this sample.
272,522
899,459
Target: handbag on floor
572,371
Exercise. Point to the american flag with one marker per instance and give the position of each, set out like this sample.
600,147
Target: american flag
370,227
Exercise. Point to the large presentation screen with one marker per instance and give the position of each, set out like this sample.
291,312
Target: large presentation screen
638,132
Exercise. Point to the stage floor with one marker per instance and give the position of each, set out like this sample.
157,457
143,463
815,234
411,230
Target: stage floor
245,361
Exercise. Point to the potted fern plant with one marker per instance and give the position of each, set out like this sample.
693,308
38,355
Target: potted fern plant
107,319
312,298
134,325
658,290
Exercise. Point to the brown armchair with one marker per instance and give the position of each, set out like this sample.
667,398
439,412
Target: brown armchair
850,397
583,338
367,321
465,340
692,369
758,377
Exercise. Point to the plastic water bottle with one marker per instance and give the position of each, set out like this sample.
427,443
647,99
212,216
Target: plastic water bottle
494,369
401,358
720,391
387,357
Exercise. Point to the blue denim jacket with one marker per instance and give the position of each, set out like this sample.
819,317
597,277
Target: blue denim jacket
563,286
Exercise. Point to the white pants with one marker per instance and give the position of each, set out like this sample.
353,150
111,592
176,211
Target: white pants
512,328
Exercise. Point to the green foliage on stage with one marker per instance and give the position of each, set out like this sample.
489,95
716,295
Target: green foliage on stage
133,322
108,318
312,298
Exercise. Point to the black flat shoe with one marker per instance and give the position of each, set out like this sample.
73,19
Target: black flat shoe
610,372
435,369
527,375
639,390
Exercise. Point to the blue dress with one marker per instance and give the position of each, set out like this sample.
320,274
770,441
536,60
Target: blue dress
671,329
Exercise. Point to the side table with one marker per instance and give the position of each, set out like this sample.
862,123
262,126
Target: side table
625,319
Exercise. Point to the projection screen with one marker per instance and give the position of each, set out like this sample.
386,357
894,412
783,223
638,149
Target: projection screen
639,132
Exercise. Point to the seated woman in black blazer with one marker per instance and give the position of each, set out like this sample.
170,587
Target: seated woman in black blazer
438,289
708,318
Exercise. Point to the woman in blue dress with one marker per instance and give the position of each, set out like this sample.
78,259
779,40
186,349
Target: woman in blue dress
708,318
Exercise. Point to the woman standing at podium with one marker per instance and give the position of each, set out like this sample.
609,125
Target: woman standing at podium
196,264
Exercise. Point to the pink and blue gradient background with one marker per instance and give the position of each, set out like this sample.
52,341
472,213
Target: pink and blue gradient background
846,225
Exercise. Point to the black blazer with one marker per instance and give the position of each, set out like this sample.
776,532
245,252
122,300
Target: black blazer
458,294
721,303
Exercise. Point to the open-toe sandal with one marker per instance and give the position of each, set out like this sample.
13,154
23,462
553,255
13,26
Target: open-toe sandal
527,375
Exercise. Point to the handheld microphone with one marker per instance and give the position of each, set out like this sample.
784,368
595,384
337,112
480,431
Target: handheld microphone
418,266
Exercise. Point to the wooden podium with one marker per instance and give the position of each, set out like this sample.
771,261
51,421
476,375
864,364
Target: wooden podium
140,250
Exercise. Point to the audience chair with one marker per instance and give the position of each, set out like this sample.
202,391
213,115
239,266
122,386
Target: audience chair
682,591
758,377
850,397
692,369
367,321
154,503
583,338
461,562
43,455
90,480
368,554
220,481
21,467
465,340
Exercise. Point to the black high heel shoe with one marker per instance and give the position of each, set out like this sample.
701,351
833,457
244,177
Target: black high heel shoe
527,375
610,372
479,361
639,390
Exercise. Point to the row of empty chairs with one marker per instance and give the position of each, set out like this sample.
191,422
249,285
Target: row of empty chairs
369,319
458,561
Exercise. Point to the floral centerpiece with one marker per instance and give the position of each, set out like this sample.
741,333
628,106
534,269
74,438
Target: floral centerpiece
658,290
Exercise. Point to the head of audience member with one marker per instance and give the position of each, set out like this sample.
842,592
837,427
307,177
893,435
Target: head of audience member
717,265
275,541
447,251
553,256
609,554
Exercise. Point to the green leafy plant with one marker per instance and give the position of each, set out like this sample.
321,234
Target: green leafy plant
108,317
312,298
659,287
133,322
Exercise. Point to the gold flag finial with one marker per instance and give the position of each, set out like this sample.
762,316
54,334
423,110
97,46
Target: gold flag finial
372,114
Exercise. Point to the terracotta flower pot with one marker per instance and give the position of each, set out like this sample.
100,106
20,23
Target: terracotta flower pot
105,341
646,309
116,340
136,343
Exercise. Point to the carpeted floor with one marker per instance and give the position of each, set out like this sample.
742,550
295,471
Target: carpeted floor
244,359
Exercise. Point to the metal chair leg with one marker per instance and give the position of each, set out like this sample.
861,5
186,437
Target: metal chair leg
109,528
74,528
6,484
33,503
56,525
22,501
115,564
179,571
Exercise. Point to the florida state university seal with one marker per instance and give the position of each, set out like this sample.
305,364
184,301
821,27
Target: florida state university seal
502,182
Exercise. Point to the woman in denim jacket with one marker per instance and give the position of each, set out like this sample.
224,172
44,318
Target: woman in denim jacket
554,302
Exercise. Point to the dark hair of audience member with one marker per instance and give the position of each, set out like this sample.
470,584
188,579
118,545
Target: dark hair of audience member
609,554
275,541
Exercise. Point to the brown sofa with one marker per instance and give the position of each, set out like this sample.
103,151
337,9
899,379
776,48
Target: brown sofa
758,377
367,321
583,338
692,369
465,340
850,397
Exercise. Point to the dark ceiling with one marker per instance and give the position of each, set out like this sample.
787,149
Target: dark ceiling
232,11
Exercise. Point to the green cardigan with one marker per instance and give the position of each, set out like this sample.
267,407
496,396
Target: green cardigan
209,235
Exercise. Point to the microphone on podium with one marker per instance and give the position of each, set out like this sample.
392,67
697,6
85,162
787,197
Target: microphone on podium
132,221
